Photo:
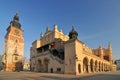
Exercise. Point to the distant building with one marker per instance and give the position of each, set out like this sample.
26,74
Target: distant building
1,65
118,64
26,65
0,57
14,46
59,53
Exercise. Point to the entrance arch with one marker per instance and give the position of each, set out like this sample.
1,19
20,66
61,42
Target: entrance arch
51,70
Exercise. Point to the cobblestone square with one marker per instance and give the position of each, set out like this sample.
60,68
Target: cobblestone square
52,76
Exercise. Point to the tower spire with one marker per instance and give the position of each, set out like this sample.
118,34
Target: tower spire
16,40
101,46
15,22
55,28
73,34
109,45
73,27
16,17
47,29
16,12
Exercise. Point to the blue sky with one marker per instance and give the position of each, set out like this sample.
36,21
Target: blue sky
96,21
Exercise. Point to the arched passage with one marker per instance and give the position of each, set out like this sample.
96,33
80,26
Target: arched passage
3,65
91,65
102,66
39,67
85,65
79,68
96,65
51,70
46,65
99,66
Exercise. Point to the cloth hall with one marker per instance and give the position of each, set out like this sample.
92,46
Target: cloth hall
56,52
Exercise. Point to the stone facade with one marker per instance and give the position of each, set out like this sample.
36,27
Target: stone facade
14,46
59,53
79,58
48,51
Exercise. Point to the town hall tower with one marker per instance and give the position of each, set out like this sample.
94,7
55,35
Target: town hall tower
14,46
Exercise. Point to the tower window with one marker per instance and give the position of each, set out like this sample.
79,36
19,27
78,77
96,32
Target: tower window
16,41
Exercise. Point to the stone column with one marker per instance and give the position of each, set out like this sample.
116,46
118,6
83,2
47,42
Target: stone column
97,70
103,67
89,70
35,67
93,67
81,67
100,67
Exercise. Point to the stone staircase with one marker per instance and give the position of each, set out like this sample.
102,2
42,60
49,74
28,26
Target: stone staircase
57,59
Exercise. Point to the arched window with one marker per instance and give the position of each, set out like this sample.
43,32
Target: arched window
16,41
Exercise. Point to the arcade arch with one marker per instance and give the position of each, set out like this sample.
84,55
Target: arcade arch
85,65
91,65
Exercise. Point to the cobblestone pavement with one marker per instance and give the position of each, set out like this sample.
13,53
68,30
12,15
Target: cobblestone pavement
52,76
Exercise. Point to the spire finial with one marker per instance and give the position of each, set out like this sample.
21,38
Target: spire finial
101,46
109,45
72,27
16,12
55,27
60,30
41,35
47,29
16,16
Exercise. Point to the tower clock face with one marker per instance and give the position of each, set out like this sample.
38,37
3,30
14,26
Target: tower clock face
16,31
